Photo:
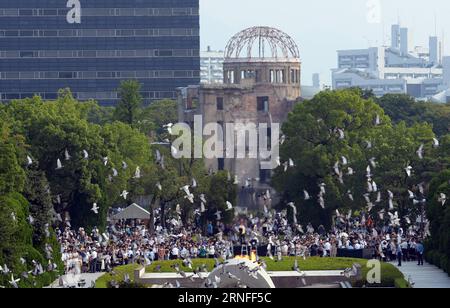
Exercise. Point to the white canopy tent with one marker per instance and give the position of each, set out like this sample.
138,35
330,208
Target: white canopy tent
134,211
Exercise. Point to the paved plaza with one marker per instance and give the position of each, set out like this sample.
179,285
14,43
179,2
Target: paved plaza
427,276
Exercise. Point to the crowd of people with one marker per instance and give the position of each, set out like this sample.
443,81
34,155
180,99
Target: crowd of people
126,242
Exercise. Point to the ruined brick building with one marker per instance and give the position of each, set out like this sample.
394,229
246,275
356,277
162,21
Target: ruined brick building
261,85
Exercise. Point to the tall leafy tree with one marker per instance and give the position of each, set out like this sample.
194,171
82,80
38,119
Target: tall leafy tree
402,107
335,125
151,119
37,192
12,176
130,102
17,234
54,128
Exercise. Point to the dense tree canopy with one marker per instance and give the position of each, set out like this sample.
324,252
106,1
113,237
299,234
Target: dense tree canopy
342,129
18,237
406,108
52,129
58,158
152,118
130,102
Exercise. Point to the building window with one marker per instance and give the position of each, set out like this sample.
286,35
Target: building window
12,96
65,75
192,103
230,77
269,138
247,74
26,54
264,175
219,102
272,76
293,76
280,76
262,103
164,53
25,12
220,164
100,32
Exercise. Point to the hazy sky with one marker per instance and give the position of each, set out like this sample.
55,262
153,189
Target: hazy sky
320,27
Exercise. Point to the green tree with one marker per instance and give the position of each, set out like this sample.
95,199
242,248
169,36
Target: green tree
37,192
12,176
16,232
438,214
52,128
338,124
153,118
401,107
220,191
130,102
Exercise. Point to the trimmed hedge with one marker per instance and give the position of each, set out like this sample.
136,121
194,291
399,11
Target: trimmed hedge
438,259
17,242
437,247
390,276
401,283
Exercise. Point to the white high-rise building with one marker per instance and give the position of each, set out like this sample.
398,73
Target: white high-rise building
404,41
395,37
444,95
211,66
316,80
394,69
434,50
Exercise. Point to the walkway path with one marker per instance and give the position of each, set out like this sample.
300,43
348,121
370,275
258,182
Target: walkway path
70,280
427,276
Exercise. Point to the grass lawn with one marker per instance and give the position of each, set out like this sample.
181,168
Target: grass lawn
390,275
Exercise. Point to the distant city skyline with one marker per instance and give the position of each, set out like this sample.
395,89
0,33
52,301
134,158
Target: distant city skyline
322,27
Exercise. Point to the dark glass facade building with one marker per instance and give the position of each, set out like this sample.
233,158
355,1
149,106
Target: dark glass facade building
42,48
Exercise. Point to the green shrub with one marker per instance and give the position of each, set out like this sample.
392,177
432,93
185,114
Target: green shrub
437,259
390,275
401,283
444,262
429,256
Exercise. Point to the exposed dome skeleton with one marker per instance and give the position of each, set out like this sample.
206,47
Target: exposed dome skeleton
280,44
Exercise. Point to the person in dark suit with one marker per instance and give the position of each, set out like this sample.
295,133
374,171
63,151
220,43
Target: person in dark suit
399,254
420,249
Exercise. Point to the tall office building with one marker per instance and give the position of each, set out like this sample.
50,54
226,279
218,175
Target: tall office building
396,69
404,41
211,66
395,37
316,80
91,46
434,50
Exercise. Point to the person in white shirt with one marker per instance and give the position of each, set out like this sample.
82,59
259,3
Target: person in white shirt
211,251
175,252
327,249
194,252
184,253
93,262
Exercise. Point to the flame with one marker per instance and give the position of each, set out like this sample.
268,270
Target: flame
251,258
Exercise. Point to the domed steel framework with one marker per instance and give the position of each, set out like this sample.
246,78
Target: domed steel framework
279,44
